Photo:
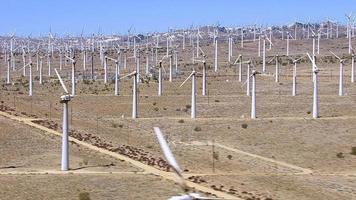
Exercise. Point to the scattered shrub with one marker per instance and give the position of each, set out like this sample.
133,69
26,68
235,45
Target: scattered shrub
340,155
353,151
244,126
181,121
197,129
84,196
114,125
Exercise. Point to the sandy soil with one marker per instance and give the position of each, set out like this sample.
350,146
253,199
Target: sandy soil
284,154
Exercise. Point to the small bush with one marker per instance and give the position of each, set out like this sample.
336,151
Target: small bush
229,157
244,126
188,106
84,196
181,121
217,101
353,151
340,155
197,129
156,109
154,103
308,112
114,125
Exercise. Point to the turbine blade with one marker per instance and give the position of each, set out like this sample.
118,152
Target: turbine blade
186,79
128,75
168,153
61,81
246,80
335,55
299,59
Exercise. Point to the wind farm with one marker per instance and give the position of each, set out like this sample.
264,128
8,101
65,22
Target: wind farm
210,111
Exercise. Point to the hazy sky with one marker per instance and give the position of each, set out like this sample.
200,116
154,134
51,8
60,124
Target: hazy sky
115,16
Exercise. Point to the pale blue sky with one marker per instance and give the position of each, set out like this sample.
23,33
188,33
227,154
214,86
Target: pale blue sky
70,16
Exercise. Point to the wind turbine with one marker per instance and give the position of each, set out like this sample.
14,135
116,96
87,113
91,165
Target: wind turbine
8,70
24,61
73,73
239,59
177,170
242,37
341,74
30,85
65,127
170,68
117,75
288,35
351,20
198,36
264,54
294,84
160,79
134,92
276,58
230,48
193,107
253,93
216,50
352,67
40,69
315,88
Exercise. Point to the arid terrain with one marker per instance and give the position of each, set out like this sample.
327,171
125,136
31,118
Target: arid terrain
283,154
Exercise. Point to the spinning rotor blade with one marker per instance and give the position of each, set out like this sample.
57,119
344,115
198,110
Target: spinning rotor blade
61,81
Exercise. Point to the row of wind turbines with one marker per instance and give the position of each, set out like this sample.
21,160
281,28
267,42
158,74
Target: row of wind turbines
117,49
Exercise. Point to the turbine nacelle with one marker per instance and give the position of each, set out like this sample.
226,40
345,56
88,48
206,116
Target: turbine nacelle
65,98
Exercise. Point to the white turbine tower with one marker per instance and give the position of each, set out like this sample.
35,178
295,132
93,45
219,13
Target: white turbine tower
117,75
253,93
193,107
40,70
294,84
288,42
105,69
341,74
216,50
315,88
276,74
239,60
65,127
134,92
160,77
30,85
8,70
204,72
73,74
264,54
170,68
253,99
352,67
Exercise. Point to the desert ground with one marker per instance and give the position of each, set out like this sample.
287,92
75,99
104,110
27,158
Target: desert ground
283,154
